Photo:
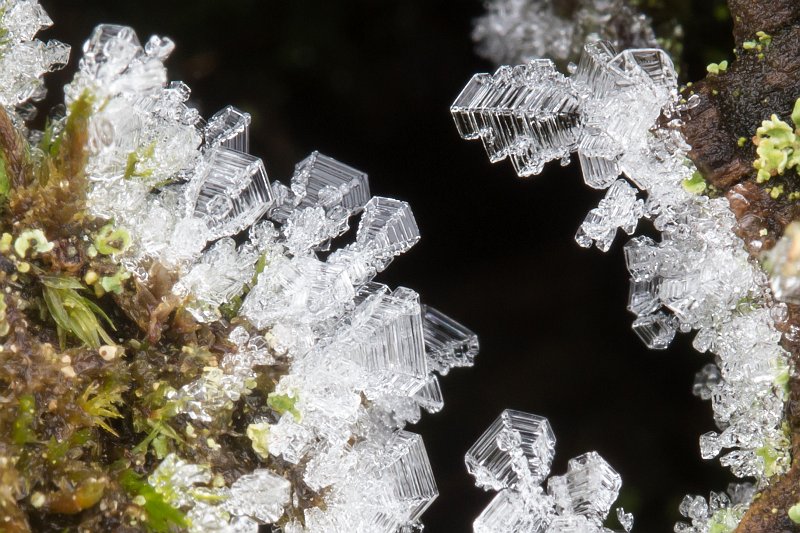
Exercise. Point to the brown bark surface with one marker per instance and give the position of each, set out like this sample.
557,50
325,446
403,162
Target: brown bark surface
732,105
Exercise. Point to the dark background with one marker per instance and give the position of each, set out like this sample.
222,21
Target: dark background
370,83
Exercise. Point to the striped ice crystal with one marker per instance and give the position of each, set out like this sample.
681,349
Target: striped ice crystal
352,360
620,112
513,457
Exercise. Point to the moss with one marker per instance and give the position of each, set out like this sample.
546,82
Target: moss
73,313
22,431
92,358
159,516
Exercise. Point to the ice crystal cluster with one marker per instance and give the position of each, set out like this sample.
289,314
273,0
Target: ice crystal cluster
515,31
361,357
276,375
514,457
23,59
620,112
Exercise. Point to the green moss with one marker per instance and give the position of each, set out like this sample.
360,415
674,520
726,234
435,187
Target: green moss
22,430
161,517
102,403
57,450
73,313
133,167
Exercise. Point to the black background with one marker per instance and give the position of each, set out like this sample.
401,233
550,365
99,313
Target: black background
370,83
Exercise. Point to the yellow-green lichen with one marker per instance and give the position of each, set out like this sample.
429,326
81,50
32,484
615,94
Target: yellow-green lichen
258,433
114,284
283,403
111,240
778,147
725,520
695,185
716,68
794,513
34,240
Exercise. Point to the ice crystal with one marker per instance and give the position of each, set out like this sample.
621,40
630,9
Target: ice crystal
620,112
514,31
323,366
23,59
721,512
514,456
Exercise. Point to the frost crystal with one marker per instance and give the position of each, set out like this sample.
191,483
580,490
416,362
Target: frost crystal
621,113
323,366
721,512
514,456
514,31
260,495
517,448
23,59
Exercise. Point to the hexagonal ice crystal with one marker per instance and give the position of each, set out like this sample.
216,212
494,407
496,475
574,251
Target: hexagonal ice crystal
448,344
429,397
408,476
656,330
229,128
386,339
230,191
387,229
641,257
591,484
321,181
260,495
509,512
619,209
643,297
517,447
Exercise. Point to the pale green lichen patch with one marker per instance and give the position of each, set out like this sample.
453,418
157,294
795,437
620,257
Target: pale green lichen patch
258,433
32,240
773,454
111,240
695,185
114,284
794,513
716,68
778,149
283,403
725,520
